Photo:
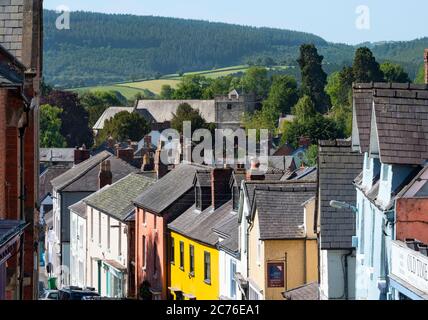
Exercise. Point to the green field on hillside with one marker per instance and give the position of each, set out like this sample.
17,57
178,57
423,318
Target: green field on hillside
130,89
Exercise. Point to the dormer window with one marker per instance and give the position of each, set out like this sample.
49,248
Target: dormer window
198,200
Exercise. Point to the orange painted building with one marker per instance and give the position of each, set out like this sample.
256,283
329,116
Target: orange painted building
159,205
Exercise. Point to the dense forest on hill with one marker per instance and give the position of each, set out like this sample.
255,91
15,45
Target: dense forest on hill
105,48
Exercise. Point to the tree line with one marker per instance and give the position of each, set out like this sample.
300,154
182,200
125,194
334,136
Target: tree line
321,104
101,48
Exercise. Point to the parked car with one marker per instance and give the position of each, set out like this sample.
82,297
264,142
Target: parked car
49,295
76,293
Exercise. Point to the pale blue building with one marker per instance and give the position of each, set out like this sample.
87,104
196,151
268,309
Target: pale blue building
388,129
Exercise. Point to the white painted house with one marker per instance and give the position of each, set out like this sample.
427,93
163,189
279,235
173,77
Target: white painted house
229,256
78,247
110,232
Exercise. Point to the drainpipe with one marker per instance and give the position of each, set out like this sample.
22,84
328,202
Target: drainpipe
23,124
346,277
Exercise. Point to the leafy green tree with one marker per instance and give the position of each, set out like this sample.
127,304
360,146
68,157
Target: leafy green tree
218,86
318,127
186,113
167,92
420,76
191,87
256,81
50,127
365,67
283,93
393,72
339,87
74,117
124,126
96,102
312,155
304,109
314,79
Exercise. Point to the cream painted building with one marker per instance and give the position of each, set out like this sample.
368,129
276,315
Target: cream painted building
282,244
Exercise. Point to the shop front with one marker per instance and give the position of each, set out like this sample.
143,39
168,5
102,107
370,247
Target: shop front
409,272
10,238
115,279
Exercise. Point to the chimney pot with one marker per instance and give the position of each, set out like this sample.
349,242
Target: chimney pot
105,177
254,172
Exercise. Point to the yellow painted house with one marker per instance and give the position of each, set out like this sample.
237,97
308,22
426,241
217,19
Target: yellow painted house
194,257
282,244
194,269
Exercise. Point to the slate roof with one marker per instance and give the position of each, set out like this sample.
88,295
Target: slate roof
203,178
338,166
47,176
116,200
402,109
401,117
162,194
108,114
163,110
363,101
9,229
200,225
308,291
304,173
84,176
280,210
281,162
418,187
79,208
56,154
229,231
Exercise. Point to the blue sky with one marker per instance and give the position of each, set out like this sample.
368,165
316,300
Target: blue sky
334,20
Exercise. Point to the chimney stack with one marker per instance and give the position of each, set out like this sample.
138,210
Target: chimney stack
160,168
220,186
147,163
147,141
81,154
105,177
426,65
110,142
254,173
126,155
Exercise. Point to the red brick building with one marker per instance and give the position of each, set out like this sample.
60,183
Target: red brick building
412,209
20,74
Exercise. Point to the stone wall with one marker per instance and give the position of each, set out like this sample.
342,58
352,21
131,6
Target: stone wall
11,26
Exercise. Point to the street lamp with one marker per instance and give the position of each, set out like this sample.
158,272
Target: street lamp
342,205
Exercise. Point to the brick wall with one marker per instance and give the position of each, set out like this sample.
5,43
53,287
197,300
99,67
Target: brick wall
11,18
3,98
